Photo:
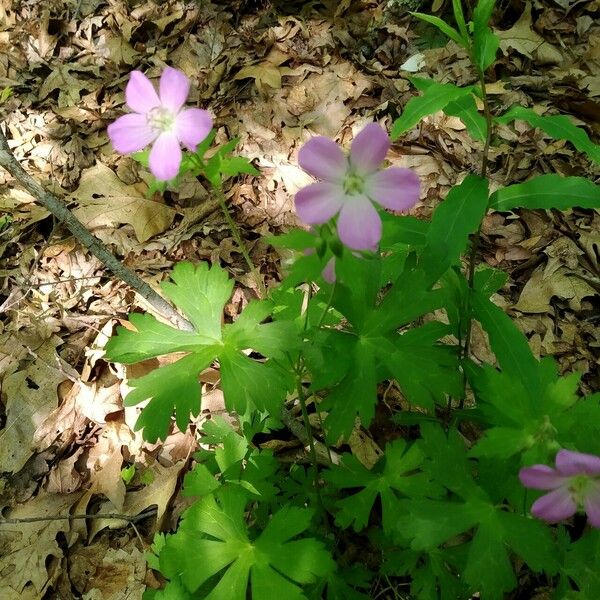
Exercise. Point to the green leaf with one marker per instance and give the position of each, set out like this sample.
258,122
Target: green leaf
458,216
436,96
235,165
459,17
485,42
151,338
200,292
558,127
295,239
446,29
394,474
548,191
465,108
213,540
508,343
402,230
169,388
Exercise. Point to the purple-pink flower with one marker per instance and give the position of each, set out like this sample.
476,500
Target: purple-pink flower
160,120
575,483
350,185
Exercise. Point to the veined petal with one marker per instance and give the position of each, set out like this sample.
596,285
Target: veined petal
174,89
140,94
369,148
328,272
541,477
192,126
324,159
165,157
555,506
130,133
394,188
591,503
577,463
359,225
318,202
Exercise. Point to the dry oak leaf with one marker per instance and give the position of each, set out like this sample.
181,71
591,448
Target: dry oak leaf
562,283
29,553
105,201
522,38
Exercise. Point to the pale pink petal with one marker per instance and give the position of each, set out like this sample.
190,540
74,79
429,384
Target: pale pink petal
328,272
140,94
541,477
165,157
192,126
575,463
395,188
555,506
324,159
369,148
130,133
359,225
318,202
174,89
591,503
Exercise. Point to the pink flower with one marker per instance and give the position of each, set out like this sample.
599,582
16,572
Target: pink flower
350,185
160,120
574,483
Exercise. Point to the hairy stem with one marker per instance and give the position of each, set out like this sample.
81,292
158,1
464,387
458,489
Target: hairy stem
240,242
60,210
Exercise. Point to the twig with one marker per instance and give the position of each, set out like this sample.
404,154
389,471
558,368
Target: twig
128,518
60,210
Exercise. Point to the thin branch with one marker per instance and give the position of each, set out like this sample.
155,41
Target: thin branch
60,210
128,518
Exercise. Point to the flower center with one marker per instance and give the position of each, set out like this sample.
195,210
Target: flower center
160,119
578,487
353,184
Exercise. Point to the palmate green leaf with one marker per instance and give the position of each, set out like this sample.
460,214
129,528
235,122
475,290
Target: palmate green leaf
582,565
436,96
548,191
200,292
151,338
213,540
465,108
458,216
446,29
394,474
172,388
558,127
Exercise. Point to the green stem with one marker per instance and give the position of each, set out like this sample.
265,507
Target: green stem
477,237
261,290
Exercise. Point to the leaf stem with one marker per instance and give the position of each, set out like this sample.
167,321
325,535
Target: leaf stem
261,290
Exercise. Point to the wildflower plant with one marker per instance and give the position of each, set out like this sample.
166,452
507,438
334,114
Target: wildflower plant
375,300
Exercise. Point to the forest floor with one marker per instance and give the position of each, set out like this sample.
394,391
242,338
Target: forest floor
272,78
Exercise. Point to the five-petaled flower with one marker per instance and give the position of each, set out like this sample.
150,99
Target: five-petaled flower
351,184
574,483
160,120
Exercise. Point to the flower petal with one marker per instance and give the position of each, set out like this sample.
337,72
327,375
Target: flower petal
359,224
174,89
165,157
369,148
591,503
541,477
318,202
394,188
140,94
577,463
192,126
130,133
323,158
555,506
328,272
